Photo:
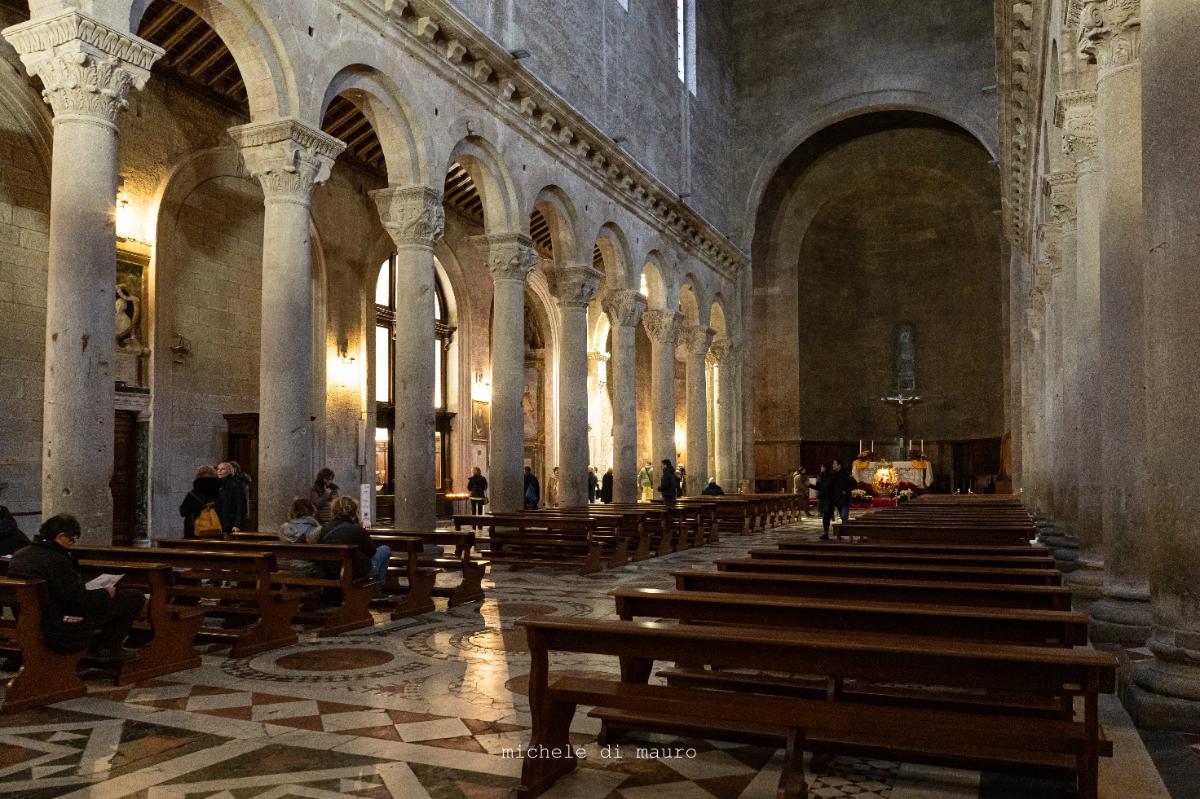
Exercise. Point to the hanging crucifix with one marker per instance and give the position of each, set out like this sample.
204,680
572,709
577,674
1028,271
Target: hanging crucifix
906,381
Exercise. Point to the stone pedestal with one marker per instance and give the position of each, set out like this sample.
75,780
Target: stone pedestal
696,340
663,328
87,70
575,287
624,308
414,218
289,159
1165,690
510,257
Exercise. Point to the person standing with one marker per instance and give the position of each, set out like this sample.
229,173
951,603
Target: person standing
76,617
477,492
593,485
606,487
834,489
646,482
231,500
668,486
681,477
11,537
323,493
552,489
533,490
825,498
206,487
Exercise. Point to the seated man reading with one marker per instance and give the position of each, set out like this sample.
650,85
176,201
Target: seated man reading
76,617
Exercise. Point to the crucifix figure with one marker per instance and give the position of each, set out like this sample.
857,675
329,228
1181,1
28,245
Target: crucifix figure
906,381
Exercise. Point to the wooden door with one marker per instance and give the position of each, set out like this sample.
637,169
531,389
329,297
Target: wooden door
124,477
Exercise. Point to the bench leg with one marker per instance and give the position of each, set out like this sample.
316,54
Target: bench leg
549,755
664,543
272,630
593,563
354,612
792,784
643,547
44,678
169,650
471,587
620,554
419,598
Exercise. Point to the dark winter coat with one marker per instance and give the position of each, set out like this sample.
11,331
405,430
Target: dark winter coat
341,531
833,488
713,490
231,503
322,495
204,493
68,594
533,492
606,487
477,486
669,485
593,486
11,537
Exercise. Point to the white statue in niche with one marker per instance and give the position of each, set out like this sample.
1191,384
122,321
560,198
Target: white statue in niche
128,307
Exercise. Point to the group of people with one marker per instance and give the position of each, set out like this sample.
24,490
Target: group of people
834,485
342,525
218,501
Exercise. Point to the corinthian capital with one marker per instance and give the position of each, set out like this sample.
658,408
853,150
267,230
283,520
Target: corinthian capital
662,326
722,350
696,339
413,215
288,157
575,286
1059,188
86,67
1110,33
509,256
1075,113
624,307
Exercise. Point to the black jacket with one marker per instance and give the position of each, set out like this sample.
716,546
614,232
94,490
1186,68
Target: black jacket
11,537
68,594
835,487
231,503
204,493
340,531
669,485
532,492
593,485
713,490
606,487
477,486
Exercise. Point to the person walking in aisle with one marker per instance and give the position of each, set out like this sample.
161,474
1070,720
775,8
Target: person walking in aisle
477,492
533,490
646,482
669,485
606,487
834,487
593,484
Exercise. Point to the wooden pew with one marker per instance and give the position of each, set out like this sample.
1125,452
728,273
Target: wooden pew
875,556
44,676
465,560
660,524
521,539
923,548
899,571
964,532
242,583
354,610
628,522
983,738
872,589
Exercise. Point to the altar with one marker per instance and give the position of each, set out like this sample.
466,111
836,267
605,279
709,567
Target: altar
919,473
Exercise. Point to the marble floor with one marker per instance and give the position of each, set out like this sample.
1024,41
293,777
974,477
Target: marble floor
433,706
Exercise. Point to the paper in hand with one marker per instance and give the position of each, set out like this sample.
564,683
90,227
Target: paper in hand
104,581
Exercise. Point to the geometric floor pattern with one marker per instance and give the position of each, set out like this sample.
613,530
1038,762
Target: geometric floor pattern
421,707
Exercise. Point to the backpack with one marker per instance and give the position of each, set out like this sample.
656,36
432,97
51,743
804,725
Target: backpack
207,524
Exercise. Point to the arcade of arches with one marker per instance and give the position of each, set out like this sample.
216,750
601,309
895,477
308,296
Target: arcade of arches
404,239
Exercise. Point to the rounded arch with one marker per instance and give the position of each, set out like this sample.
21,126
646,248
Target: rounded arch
493,180
716,316
813,120
256,46
614,253
691,300
653,285
563,222
406,150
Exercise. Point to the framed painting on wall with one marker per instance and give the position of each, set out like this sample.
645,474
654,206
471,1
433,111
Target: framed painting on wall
480,421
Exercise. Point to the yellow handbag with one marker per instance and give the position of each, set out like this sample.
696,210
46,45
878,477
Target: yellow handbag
207,524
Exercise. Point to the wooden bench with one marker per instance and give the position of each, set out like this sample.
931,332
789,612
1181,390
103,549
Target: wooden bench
44,676
966,533
819,553
631,523
464,560
895,570
659,524
354,610
528,540
923,548
981,737
872,589
227,586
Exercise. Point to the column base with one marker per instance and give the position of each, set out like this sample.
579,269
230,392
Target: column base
1119,621
1163,695
1086,580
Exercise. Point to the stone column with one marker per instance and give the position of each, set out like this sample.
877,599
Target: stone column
726,415
414,218
624,308
1165,690
289,159
510,257
599,423
87,70
1110,36
1032,427
1076,110
696,340
663,329
575,287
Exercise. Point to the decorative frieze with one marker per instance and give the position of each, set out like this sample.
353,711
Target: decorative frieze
509,256
624,307
288,157
662,325
413,216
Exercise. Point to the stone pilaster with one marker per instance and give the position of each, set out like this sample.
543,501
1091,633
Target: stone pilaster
722,353
696,340
87,70
414,218
624,308
289,159
1076,115
510,258
1165,690
574,287
662,326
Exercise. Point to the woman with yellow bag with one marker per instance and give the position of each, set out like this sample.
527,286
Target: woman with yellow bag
199,510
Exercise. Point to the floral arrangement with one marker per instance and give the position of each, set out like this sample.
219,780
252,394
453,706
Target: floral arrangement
912,488
905,494
860,496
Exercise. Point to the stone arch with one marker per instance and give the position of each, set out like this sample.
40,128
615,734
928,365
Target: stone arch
407,152
563,220
256,46
653,284
716,316
614,252
493,180
692,302
821,115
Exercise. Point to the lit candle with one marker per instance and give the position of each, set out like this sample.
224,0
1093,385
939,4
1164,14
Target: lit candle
860,445
872,445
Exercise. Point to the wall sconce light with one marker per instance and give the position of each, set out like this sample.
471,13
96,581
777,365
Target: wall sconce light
129,220
481,388
343,351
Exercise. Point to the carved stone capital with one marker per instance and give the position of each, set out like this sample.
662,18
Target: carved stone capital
86,67
1059,189
696,339
575,286
722,350
509,256
288,157
624,307
413,215
1075,113
662,326
1110,33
